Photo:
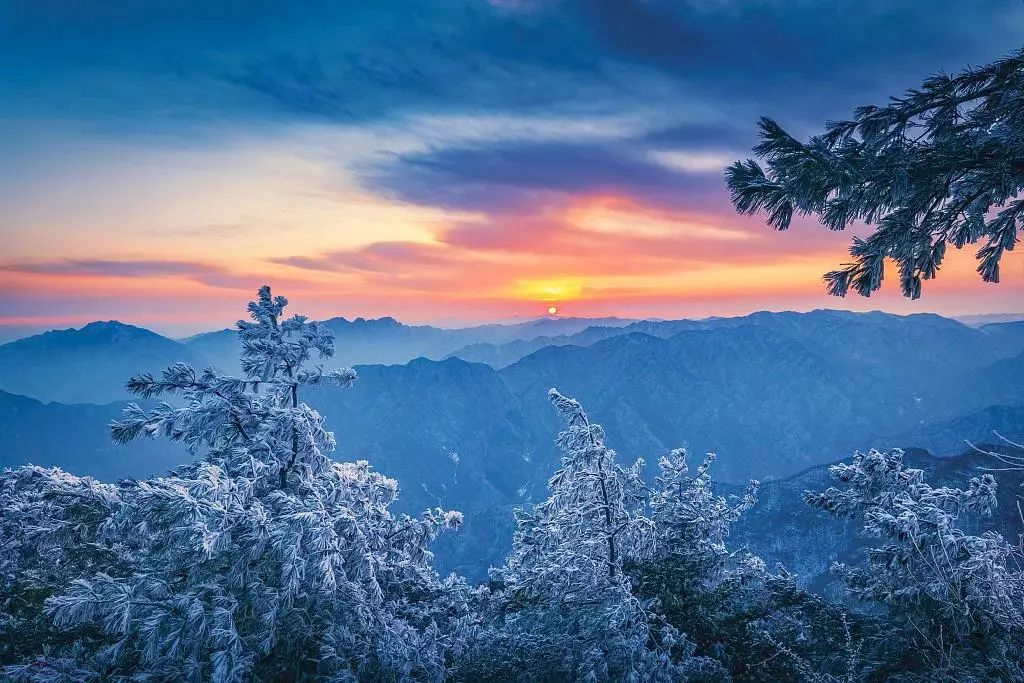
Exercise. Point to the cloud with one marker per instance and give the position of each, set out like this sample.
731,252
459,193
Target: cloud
142,268
380,257
701,135
589,242
297,84
656,31
278,60
504,176
212,275
211,230
428,150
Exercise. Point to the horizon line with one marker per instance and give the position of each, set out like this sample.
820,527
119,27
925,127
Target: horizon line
32,329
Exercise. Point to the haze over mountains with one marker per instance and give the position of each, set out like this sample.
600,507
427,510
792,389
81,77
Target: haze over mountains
460,417
85,365
387,341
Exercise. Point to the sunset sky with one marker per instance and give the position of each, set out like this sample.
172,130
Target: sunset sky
439,160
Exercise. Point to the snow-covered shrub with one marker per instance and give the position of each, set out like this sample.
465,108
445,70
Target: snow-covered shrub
954,601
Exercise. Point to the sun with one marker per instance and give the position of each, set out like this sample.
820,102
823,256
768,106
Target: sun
552,310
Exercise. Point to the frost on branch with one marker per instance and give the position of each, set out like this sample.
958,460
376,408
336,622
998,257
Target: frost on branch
956,598
264,558
562,607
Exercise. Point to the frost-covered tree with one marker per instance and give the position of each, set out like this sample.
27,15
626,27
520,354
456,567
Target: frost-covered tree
755,623
264,559
941,165
50,534
691,522
562,607
954,601
609,579
686,564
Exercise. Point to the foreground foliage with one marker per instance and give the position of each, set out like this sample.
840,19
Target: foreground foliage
942,165
954,600
265,558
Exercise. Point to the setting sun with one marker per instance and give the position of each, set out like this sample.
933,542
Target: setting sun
552,310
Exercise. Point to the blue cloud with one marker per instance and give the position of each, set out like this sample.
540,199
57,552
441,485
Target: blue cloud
702,71
814,60
166,60
702,136
514,174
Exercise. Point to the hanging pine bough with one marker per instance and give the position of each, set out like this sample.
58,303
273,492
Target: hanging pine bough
942,165
264,559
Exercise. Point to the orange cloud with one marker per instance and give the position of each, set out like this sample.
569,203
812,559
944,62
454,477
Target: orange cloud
599,254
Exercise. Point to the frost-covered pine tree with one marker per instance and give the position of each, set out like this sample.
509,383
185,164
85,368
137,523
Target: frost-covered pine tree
681,573
941,165
688,560
562,607
264,559
955,600
691,522
754,623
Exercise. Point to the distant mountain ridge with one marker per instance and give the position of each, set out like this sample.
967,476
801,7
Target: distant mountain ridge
86,365
958,433
77,438
979,319
827,334
772,393
97,349
386,341
90,364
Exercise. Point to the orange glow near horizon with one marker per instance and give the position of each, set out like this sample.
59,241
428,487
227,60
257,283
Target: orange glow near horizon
206,228
549,290
694,290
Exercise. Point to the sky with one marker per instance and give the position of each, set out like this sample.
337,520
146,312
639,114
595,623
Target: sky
445,161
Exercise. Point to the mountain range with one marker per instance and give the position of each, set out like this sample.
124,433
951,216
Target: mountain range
386,341
772,393
86,365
